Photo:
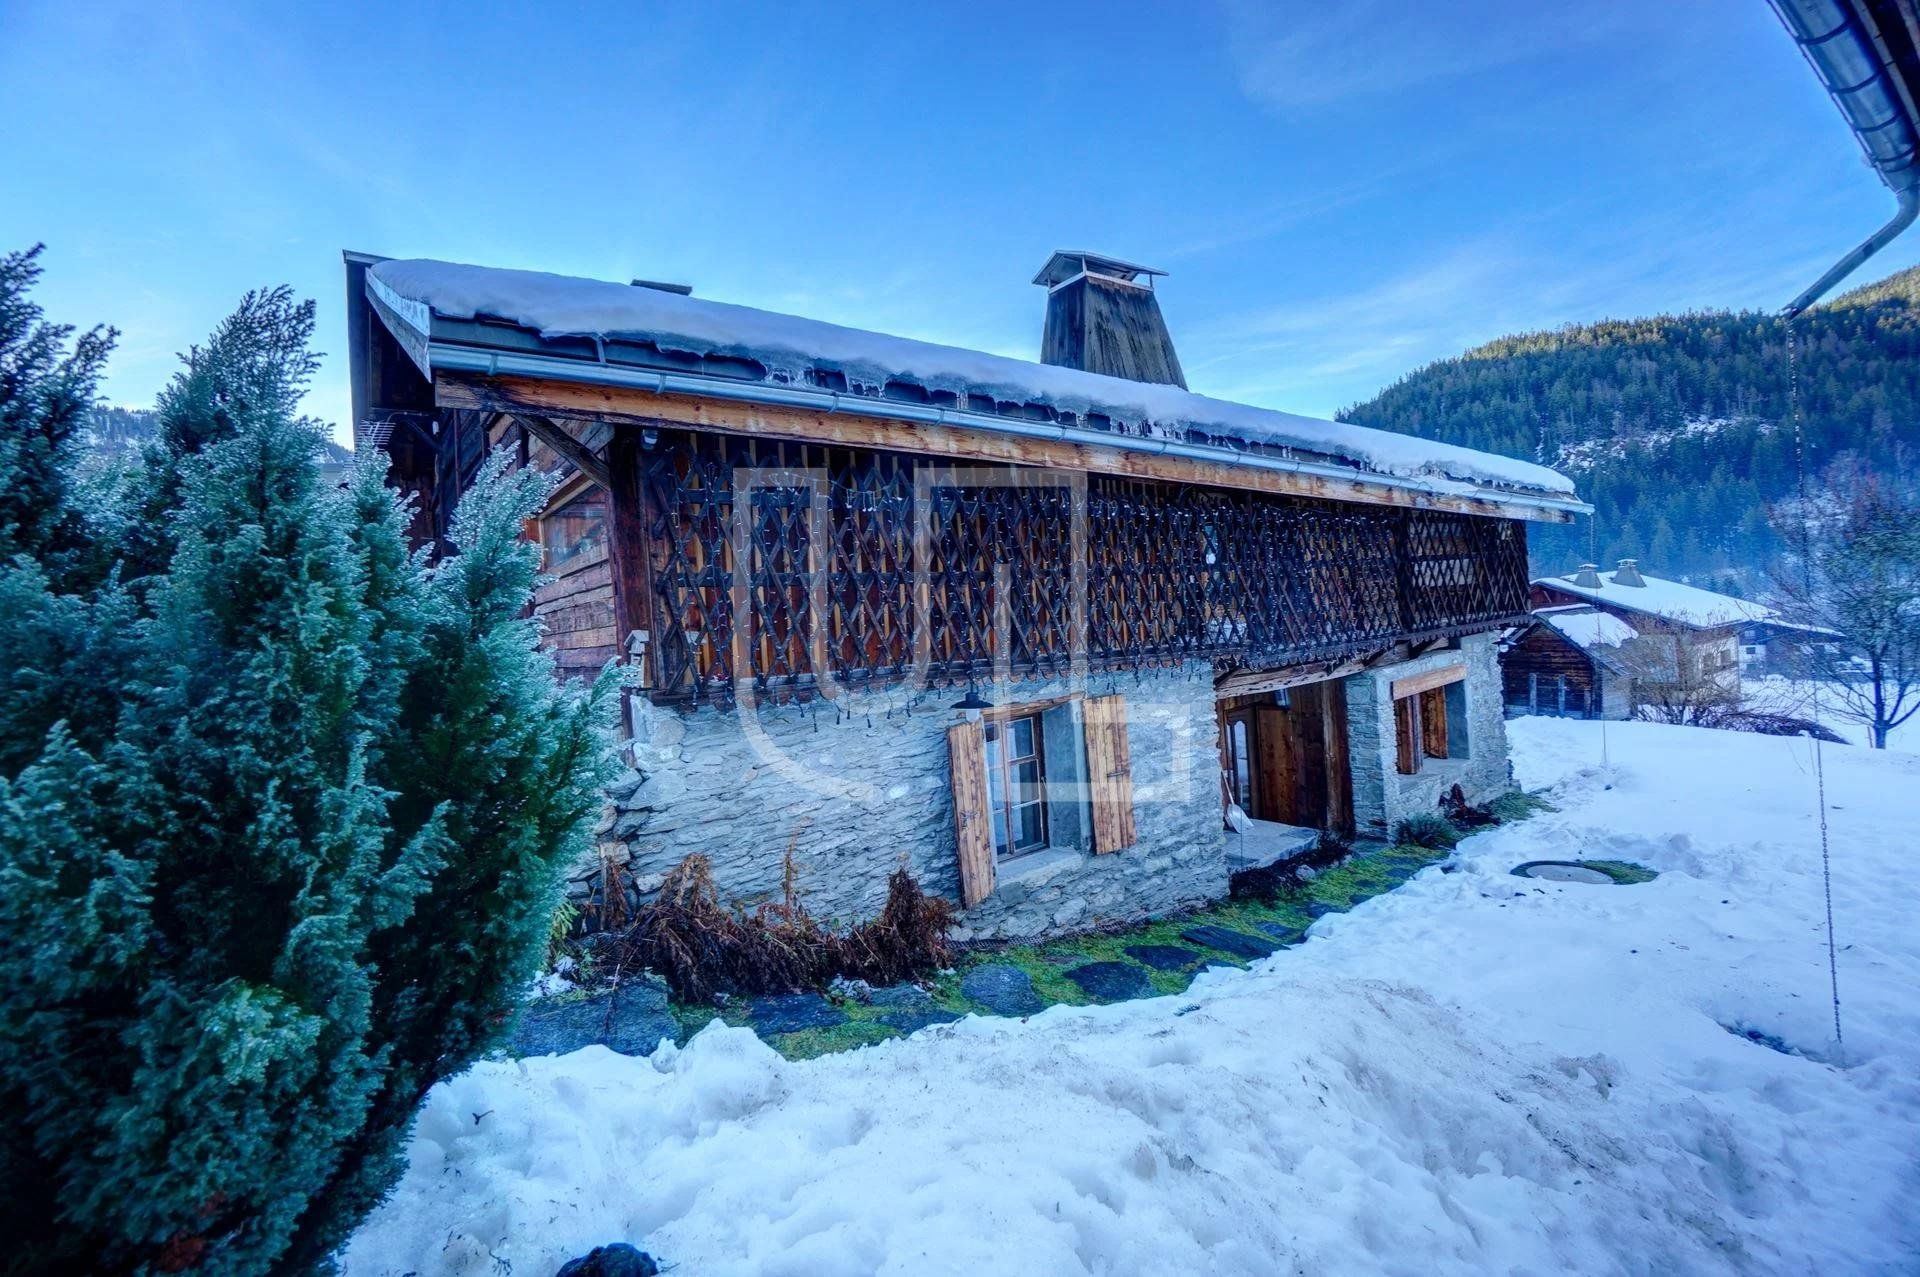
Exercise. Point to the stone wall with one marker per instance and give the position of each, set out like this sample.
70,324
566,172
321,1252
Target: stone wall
856,794
1382,797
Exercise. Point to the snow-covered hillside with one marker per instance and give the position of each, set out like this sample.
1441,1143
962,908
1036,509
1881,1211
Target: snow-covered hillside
1476,1073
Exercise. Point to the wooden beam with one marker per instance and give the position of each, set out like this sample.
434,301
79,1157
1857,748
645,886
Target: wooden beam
1416,683
1254,682
523,395
554,435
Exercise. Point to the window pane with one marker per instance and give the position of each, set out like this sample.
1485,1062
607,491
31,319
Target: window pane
1026,782
999,831
575,528
1021,737
1029,822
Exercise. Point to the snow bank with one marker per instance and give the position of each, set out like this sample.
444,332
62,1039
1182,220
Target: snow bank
1476,1073
564,306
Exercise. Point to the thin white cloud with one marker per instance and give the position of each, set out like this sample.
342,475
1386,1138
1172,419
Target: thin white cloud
1298,56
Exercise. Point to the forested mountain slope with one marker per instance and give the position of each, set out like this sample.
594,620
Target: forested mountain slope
1677,427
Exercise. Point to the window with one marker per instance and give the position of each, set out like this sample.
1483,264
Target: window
1429,720
1240,760
1016,785
574,528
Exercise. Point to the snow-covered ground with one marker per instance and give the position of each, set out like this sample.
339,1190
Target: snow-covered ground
1476,1073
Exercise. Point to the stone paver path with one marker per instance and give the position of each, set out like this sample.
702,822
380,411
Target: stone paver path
1111,981
793,1012
1163,957
1155,958
630,1019
1239,943
918,1018
1002,990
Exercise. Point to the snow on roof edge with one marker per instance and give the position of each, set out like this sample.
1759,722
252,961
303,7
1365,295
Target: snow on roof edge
563,306
1670,600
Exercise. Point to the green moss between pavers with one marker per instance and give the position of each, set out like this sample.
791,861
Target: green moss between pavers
806,1044
1624,872
1367,873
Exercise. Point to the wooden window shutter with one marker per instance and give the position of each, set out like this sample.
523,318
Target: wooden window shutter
1406,731
1110,770
972,821
1433,722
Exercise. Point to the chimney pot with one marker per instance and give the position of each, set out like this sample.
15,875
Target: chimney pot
1103,316
1588,577
1628,573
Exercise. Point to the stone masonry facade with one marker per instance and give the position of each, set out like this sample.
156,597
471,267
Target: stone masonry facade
1477,739
855,794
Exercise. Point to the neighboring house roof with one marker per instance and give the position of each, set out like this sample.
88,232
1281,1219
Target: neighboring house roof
1765,631
1587,626
1575,624
484,319
1674,601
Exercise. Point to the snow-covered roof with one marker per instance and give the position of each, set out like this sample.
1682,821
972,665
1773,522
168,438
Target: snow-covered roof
1588,627
1668,600
798,352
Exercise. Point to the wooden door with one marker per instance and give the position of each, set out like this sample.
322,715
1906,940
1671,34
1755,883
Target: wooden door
1273,754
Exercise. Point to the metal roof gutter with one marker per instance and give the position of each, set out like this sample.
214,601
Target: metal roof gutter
459,358
1855,61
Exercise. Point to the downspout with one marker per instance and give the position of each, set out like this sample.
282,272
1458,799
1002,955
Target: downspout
1848,54
1902,218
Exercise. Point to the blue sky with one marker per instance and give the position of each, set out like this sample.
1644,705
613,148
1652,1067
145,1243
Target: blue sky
1342,192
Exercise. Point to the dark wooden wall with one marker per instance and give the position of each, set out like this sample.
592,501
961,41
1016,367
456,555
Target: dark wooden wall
1544,652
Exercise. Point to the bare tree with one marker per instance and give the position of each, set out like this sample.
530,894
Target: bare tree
1854,567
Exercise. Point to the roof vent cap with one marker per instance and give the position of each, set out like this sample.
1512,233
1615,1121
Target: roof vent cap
1103,317
1069,263
1588,577
1628,573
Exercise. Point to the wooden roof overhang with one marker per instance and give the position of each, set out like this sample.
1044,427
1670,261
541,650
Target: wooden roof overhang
420,361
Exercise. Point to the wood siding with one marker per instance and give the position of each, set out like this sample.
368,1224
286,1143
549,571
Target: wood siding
576,611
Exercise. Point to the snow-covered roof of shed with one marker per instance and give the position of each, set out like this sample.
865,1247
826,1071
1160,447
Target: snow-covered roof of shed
1589,628
1668,600
793,350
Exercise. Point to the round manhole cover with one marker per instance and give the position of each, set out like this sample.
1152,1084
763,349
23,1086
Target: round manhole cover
1563,871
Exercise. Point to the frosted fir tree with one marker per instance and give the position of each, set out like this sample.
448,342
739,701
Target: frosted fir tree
281,863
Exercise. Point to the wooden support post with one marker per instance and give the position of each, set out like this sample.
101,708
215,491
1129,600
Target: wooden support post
627,548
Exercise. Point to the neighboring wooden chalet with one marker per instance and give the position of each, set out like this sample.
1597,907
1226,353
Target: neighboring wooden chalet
1032,630
1569,662
1686,647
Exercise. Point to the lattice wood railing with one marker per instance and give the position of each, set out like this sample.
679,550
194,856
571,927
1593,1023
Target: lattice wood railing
857,568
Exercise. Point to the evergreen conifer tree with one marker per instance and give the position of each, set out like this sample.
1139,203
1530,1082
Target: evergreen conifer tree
282,863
